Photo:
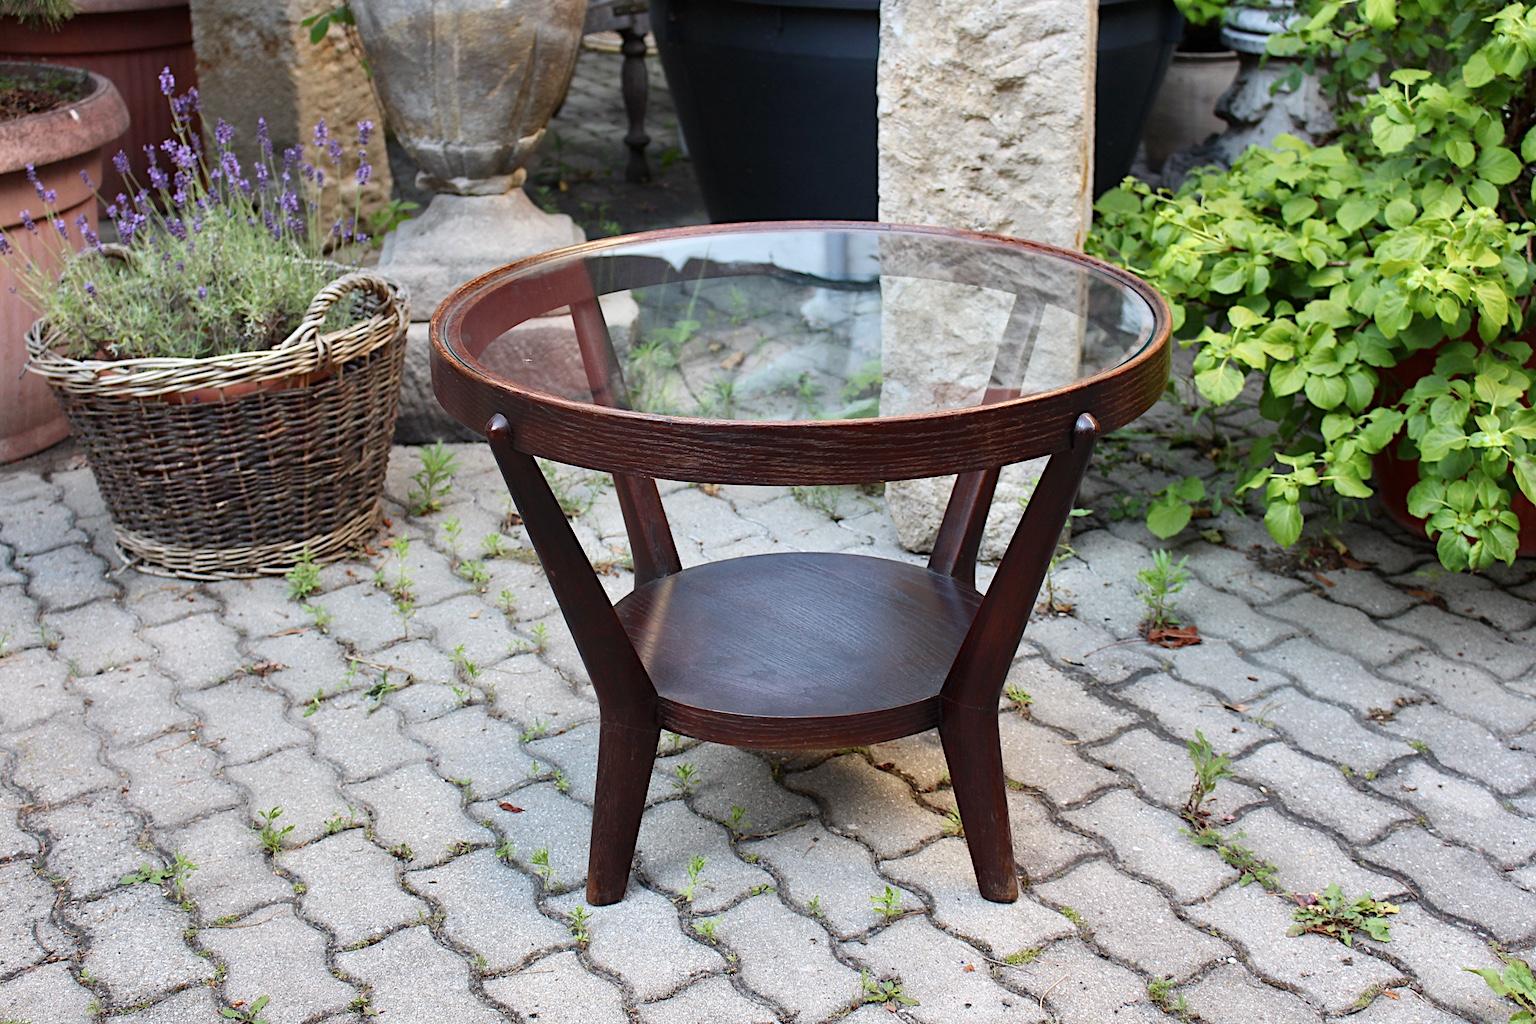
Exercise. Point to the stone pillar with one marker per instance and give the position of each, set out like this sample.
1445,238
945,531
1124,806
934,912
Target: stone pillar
254,59
986,122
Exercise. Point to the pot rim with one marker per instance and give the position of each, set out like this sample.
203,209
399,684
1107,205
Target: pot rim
64,132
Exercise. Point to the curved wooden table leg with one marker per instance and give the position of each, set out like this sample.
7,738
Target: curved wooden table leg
975,757
625,753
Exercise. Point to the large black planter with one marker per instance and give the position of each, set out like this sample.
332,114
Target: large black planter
777,102
777,98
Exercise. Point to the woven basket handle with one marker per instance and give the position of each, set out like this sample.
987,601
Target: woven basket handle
391,301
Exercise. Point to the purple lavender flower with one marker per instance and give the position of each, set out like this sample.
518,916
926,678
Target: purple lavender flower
158,179
177,228
224,133
120,162
263,137
360,238
364,132
202,292
90,288
5,246
167,81
91,238
27,221
363,171
333,149
322,133
61,228
85,176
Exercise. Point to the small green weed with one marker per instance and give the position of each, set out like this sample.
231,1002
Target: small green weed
887,993
266,828
174,874
1515,983
304,577
1210,768
1251,866
695,868
248,1014
1333,914
1019,697
1020,957
888,903
1159,583
1161,992
541,865
706,927
434,480
580,918
687,777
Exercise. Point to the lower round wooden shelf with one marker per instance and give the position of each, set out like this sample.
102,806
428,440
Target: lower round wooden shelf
799,650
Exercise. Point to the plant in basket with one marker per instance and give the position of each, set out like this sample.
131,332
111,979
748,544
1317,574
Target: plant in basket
233,384
1370,296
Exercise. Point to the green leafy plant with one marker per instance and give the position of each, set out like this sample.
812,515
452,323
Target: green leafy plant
1251,866
541,865
248,1014
887,903
1161,992
389,216
706,927
1370,295
1513,983
1159,583
580,918
695,869
174,874
1210,768
304,578
1333,914
1019,697
887,992
738,818
272,837
434,480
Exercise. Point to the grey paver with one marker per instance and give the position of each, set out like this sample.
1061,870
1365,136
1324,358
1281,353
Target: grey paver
174,779
490,908
667,960
37,524
189,1006
1319,791
1463,812
1326,971
66,577
1459,882
1163,772
362,742
918,758
547,820
712,999
1307,859
1041,848
1217,666
274,953
15,843
945,976
1230,995
413,806
1043,761
1343,629
1331,675
136,945
91,842
411,977
96,637
1408,1007
1466,690
731,777
1183,710
558,990
1132,921
302,785
469,744
33,688
27,936
1080,987
363,615
671,836
351,887
787,958
244,721
233,874
1330,732
838,872
49,993
1151,842
1082,644
1508,766
1063,702
1463,640
131,705
943,869
57,760
871,805
1437,952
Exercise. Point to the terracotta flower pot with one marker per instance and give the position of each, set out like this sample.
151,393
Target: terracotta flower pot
60,143
1394,477
127,41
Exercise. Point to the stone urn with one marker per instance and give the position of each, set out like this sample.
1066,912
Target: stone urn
468,87
1261,105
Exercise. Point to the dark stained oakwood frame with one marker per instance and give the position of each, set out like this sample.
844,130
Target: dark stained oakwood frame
703,651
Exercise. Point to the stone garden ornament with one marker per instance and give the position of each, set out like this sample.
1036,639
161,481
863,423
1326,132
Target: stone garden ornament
468,87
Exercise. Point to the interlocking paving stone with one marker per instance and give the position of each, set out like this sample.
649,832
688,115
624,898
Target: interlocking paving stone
529,691
1090,647
66,577
136,945
1330,732
92,842
671,836
257,608
304,787
1463,812
943,870
1046,763
1436,953
1318,791
1162,770
274,953
351,887
1458,881
871,805
57,760
731,777
1042,848
664,962
363,741
1216,665
1063,702
365,616
233,874
1408,1008
131,705
558,990
190,1006
919,758
787,958
199,651
1508,766
26,935
94,638
947,978
1331,676
411,805
18,612
491,909
36,524
1151,842
1230,995
712,999
1132,921
33,688
174,779
469,744
1466,690
1183,710
1078,986
14,843
573,754
244,721
544,819
813,862
1367,592
486,638
1326,971
1306,859
49,993
155,601
310,662
412,978
1343,629
1463,640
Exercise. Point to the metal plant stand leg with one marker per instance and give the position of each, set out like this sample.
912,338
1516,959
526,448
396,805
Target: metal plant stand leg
968,722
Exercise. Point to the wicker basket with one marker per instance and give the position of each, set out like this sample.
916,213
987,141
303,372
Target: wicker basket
234,465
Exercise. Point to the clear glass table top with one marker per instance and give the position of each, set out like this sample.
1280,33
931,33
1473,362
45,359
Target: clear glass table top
801,323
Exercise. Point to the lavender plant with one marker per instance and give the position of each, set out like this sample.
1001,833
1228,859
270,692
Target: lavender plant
213,257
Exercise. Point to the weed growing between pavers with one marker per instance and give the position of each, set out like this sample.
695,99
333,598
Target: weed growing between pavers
1333,914
1515,984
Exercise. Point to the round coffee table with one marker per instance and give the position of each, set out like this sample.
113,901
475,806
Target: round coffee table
805,353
